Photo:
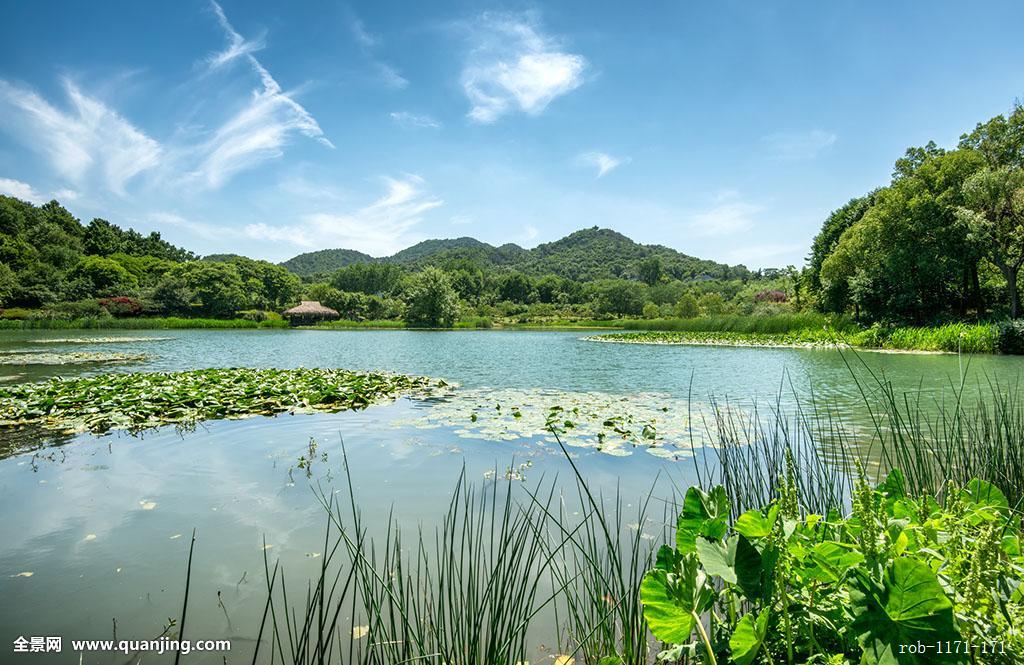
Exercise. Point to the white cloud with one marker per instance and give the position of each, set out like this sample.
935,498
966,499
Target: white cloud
261,128
530,232
200,229
237,46
20,190
367,42
729,215
363,38
65,195
798,145
87,139
379,229
412,120
390,76
759,256
601,161
514,66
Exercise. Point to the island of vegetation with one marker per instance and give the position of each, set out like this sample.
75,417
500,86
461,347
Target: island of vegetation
137,401
942,243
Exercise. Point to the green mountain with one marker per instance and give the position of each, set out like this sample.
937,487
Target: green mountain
585,255
325,261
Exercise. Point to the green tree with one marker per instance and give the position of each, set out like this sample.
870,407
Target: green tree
369,278
431,301
516,287
651,311
7,284
650,270
618,297
687,307
711,304
102,276
994,213
216,289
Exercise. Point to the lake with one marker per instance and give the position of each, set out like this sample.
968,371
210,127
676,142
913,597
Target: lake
96,529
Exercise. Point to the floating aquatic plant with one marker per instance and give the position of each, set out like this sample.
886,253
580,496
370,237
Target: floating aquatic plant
141,400
70,358
98,340
613,424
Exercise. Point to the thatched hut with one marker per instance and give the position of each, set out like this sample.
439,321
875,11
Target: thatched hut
310,311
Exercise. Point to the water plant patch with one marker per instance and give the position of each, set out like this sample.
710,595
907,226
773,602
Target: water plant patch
140,400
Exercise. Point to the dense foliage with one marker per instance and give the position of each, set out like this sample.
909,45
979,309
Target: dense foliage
901,580
944,240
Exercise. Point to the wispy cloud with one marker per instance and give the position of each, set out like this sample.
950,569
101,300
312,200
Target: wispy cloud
729,215
514,66
86,139
19,190
237,46
798,145
530,232
413,120
368,42
602,161
760,256
262,127
379,229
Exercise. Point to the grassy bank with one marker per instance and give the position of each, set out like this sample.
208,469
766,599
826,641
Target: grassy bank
951,338
142,323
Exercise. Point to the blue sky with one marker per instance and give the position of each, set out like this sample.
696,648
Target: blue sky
727,130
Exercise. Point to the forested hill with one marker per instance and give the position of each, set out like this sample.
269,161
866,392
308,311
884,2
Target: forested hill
325,261
585,255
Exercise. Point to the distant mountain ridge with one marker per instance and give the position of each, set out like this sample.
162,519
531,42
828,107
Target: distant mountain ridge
587,254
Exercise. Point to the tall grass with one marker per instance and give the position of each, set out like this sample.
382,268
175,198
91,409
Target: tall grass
771,324
952,337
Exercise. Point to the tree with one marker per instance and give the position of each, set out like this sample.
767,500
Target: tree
102,277
369,278
102,238
711,304
621,297
906,259
994,213
215,288
431,301
650,270
994,197
687,307
651,311
7,284
516,287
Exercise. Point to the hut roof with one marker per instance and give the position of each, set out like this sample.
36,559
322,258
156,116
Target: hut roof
311,308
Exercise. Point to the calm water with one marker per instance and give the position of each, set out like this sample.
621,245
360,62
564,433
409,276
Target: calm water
103,524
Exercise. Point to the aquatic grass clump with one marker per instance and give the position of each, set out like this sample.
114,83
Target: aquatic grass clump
766,324
808,338
140,400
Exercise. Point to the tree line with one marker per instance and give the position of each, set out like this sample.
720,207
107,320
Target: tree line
943,241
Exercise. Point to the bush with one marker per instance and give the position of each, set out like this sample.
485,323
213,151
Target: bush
17,313
121,307
1010,337
770,296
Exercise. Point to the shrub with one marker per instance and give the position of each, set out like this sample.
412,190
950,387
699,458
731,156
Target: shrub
121,306
1010,336
17,313
770,296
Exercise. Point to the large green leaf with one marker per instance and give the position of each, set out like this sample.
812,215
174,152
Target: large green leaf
831,561
907,607
983,494
748,637
673,600
718,559
753,524
703,515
